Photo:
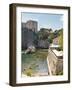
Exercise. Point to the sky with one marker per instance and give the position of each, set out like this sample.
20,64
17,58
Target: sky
45,20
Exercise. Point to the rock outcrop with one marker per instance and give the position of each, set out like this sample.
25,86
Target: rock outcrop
30,49
43,44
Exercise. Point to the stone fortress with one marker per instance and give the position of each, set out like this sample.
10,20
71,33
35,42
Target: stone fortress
29,35
27,30
32,25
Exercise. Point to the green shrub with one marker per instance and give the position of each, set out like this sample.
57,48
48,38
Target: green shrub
29,72
60,73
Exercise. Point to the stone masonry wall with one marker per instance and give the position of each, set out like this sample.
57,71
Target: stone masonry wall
54,63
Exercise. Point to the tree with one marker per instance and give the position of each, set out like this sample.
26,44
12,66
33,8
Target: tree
61,39
50,38
56,33
42,34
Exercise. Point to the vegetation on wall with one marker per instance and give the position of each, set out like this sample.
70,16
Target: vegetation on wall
61,39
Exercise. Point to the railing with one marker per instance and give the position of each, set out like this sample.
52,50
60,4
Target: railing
58,57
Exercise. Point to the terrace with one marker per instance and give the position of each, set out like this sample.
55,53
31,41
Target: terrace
55,60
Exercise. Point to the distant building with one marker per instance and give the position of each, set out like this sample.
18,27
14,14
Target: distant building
32,25
55,41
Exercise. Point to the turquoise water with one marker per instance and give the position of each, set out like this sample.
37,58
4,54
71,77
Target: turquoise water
35,64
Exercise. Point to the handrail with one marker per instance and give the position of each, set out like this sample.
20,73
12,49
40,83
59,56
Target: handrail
58,57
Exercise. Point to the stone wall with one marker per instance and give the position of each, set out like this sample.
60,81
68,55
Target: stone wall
27,38
55,64
32,25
